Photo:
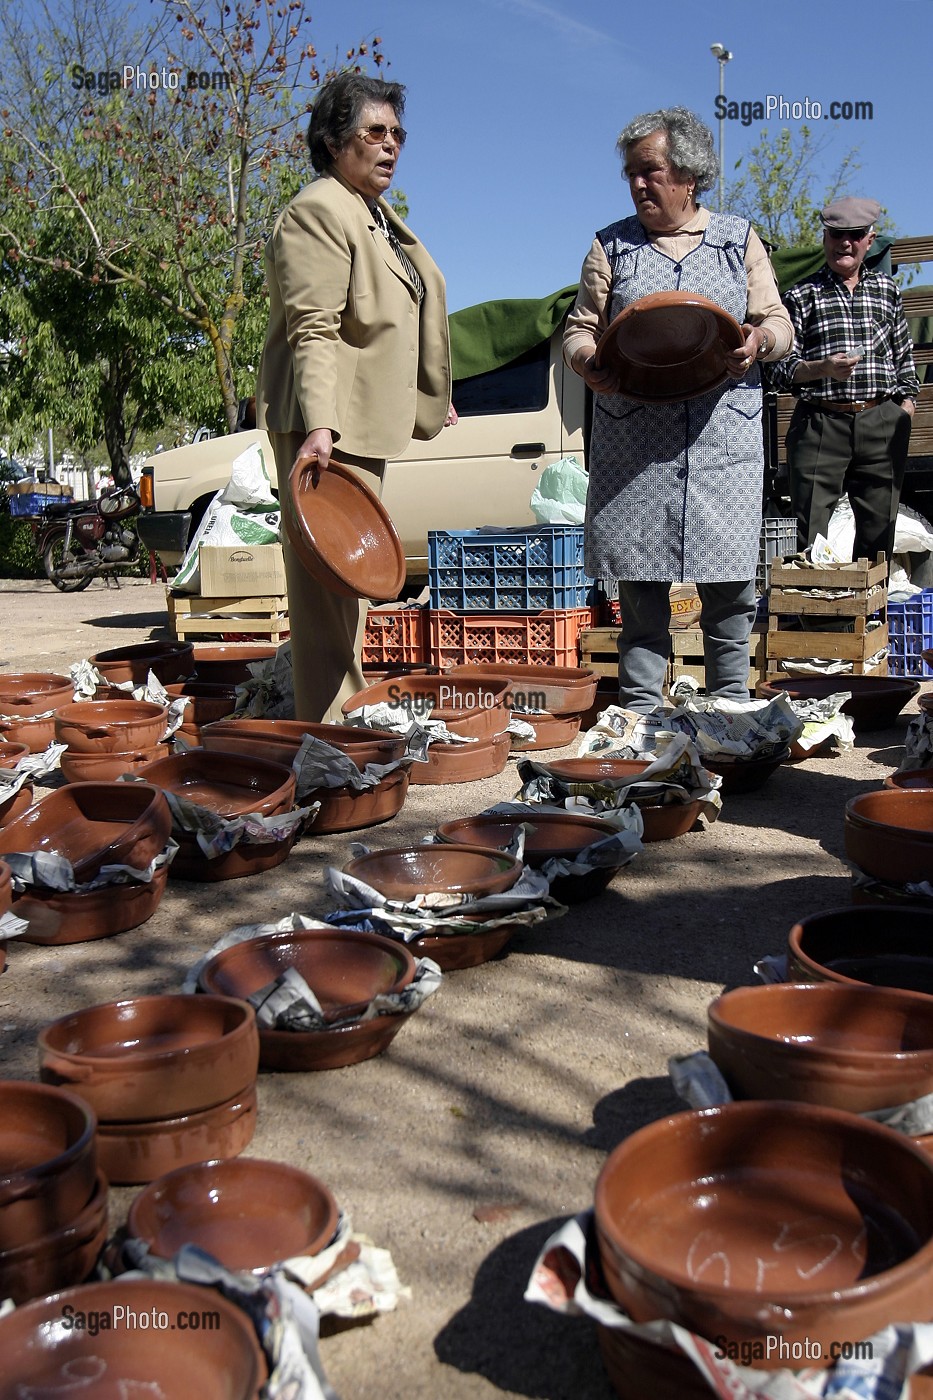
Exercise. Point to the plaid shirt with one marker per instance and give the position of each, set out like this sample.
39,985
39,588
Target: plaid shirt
828,320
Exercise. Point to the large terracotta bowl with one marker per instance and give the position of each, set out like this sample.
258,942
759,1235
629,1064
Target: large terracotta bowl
278,740
879,945
405,872
889,834
29,693
753,1219
662,822
108,726
132,1154
228,665
462,763
18,801
168,661
343,534
669,346
858,1048
48,1160
911,778
10,754
550,732
206,702
219,1360
745,774
472,709
106,767
246,1212
344,809
560,835
36,733
228,784
154,1056
455,951
94,824
57,1258
875,703
561,690
59,919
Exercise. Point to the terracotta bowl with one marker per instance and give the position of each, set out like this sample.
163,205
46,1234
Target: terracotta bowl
94,824
228,784
661,822
228,665
876,700
221,1361
244,860
343,534
342,809
889,834
669,346
741,1221
133,1154
153,1057
59,919
878,944
560,834
10,754
248,1213
106,767
551,732
592,768
462,763
473,709
16,804
278,740
58,1257
206,702
48,1160
858,1048
110,726
30,693
561,690
36,734
748,774
911,778
405,872
455,951
168,661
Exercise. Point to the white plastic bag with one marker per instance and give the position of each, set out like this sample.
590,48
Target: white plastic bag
560,496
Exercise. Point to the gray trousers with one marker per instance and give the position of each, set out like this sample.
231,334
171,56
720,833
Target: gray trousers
644,644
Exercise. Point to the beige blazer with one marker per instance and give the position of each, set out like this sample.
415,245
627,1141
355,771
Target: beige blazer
348,347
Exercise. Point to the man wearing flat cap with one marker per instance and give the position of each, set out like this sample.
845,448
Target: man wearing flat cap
852,370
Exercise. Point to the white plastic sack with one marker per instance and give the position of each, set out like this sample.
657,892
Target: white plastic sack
249,483
560,496
913,534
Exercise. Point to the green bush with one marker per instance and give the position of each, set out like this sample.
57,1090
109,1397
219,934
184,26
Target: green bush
18,558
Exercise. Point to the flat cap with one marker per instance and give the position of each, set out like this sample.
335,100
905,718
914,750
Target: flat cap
850,212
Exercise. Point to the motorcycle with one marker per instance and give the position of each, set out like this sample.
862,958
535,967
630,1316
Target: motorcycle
82,540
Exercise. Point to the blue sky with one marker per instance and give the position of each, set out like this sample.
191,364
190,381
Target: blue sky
514,107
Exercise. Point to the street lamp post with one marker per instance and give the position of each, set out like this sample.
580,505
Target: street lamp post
722,56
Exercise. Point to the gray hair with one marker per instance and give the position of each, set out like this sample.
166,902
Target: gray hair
689,142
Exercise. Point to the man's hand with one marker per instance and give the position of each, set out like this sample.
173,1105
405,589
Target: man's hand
909,407
601,381
314,454
839,366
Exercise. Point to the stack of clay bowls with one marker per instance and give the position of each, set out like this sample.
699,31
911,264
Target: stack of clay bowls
26,703
107,738
13,806
889,835
875,703
882,945
168,661
911,778
475,710
228,665
662,820
229,785
53,1198
552,835
172,1079
745,774
563,693
207,701
345,969
92,825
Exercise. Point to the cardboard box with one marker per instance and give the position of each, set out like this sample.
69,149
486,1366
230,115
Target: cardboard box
241,570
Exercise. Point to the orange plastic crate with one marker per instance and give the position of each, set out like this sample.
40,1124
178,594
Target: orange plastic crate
395,637
546,638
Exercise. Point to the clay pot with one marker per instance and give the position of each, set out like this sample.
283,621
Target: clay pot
48,1160
228,665
248,1213
278,740
662,822
345,969
110,726
132,1154
228,784
472,709
745,774
455,951
153,1057
206,702
59,919
10,754
462,763
875,703
29,693
551,732
911,778
58,1258
858,1048
168,661
561,690
556,834
221,1361
244,860
880,945
16,804
818,1225
94,824
406,872
889,834
36,734
591,768
106,767
343,809
343,534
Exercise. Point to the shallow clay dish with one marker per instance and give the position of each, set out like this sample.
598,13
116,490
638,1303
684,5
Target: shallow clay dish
30,693
875,703
911,778
94,824
106,767
133,1154
472,709
168,661
58,919
35,733
153,1057
889,834
662,822
10,754
455,951
741,1221
551,732
110,726
405,872
228,665
248,1213
669,346
343,534
48,1160
556,834
858,1048
244,860
343,809
463,763
560,690
206,702
225,783
218,1362
58,1257
880,945
278,740
746,774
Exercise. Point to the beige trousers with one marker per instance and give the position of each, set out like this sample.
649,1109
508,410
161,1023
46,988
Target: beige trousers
326,628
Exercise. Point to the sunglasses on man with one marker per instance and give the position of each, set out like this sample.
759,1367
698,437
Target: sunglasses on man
854,235
376,134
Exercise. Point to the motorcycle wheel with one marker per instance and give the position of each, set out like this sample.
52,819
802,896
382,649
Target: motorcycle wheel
53,559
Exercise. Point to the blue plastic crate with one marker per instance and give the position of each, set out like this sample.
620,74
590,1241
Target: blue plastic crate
525,569
910,632
29,503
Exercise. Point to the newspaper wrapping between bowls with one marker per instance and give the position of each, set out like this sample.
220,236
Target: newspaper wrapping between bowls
217,835
913,892
47,870
29,768
918,743
568,1271
419,728
87,680
318,764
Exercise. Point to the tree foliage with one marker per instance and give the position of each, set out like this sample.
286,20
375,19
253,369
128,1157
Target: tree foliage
776,189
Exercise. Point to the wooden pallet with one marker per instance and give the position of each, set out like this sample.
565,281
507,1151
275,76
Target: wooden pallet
599,651
194,616
868,600
687,656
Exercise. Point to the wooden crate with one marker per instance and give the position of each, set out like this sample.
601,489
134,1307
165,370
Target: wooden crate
599,650
869,599
687,656
190,615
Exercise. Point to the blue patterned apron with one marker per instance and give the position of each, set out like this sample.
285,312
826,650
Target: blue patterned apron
675,489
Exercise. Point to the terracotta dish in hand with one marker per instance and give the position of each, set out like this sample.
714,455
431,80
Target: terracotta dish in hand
669,346
343,534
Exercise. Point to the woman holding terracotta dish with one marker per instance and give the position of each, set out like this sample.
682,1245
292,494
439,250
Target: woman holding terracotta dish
357,357
675,487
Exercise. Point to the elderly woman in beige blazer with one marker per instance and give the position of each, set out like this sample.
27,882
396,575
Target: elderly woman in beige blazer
357,357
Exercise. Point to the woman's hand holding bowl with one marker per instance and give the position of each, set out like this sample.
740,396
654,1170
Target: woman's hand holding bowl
314,454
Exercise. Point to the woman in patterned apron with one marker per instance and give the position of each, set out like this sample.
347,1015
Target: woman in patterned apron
675,489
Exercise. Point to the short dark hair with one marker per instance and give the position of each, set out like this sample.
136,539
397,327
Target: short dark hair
337,112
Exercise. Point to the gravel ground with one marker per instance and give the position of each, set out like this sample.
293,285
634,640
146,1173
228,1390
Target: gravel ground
514,1082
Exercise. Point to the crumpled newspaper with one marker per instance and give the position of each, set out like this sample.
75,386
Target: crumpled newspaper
913,892
28,769
619,845
217,835
419,729
567,1278
318,764
719,728
823,719
918,743
289,1004
270,691
11,926
47,870
87,680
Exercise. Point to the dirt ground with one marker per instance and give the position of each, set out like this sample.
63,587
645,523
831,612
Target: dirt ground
514,1082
